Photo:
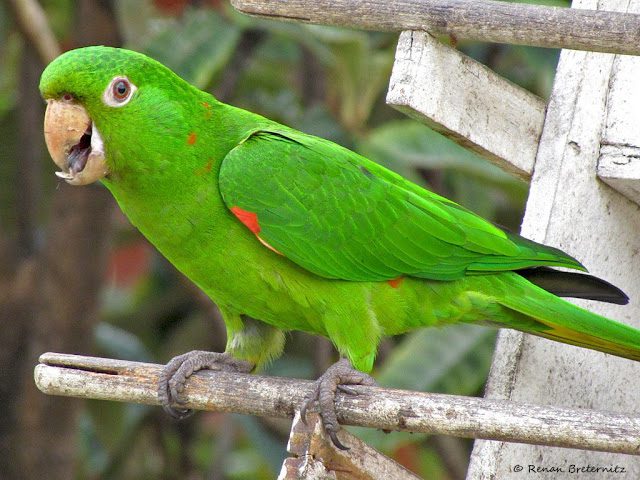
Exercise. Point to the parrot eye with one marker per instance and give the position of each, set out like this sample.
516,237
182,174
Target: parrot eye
119,92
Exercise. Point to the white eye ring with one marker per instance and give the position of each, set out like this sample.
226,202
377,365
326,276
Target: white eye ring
119,92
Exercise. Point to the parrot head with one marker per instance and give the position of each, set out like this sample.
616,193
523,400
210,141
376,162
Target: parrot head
101,98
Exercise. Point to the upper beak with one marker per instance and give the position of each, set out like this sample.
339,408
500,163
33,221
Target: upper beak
74,143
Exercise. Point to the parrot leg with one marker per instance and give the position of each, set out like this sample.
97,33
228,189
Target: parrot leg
337,377
175,374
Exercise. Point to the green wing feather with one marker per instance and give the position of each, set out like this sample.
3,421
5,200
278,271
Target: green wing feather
339,215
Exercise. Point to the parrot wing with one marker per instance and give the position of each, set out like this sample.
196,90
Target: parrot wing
342,216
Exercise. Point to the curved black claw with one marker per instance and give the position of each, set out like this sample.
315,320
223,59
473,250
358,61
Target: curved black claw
175,374
338,376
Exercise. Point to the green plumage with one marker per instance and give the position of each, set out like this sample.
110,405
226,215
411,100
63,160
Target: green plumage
185,168
342,216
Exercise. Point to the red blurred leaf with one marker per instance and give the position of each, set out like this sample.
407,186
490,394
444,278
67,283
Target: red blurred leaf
129,263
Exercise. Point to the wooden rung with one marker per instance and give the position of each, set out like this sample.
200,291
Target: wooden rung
481,20
619,159
467,102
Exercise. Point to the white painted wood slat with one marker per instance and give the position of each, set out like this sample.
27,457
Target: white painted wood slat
467,102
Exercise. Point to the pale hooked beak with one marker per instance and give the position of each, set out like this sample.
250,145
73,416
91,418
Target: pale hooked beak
74,143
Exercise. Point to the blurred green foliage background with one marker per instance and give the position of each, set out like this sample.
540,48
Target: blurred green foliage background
326,81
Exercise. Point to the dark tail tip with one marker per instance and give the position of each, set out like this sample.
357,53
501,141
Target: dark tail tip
575,285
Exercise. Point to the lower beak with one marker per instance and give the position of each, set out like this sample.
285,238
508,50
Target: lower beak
74,143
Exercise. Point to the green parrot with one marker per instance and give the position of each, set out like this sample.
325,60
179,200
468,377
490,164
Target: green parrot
288,231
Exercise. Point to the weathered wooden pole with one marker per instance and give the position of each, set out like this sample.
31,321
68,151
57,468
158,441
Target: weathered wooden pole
375,407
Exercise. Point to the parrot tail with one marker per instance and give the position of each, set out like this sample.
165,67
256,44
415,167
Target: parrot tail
575,285
543,314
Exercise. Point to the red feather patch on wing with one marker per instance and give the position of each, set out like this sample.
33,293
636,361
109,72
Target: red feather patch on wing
250,220
395,282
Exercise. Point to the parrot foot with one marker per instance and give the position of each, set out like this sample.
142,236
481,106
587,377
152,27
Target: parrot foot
337,377
175,374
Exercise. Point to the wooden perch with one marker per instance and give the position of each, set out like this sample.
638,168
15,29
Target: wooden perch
483,20
375,407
